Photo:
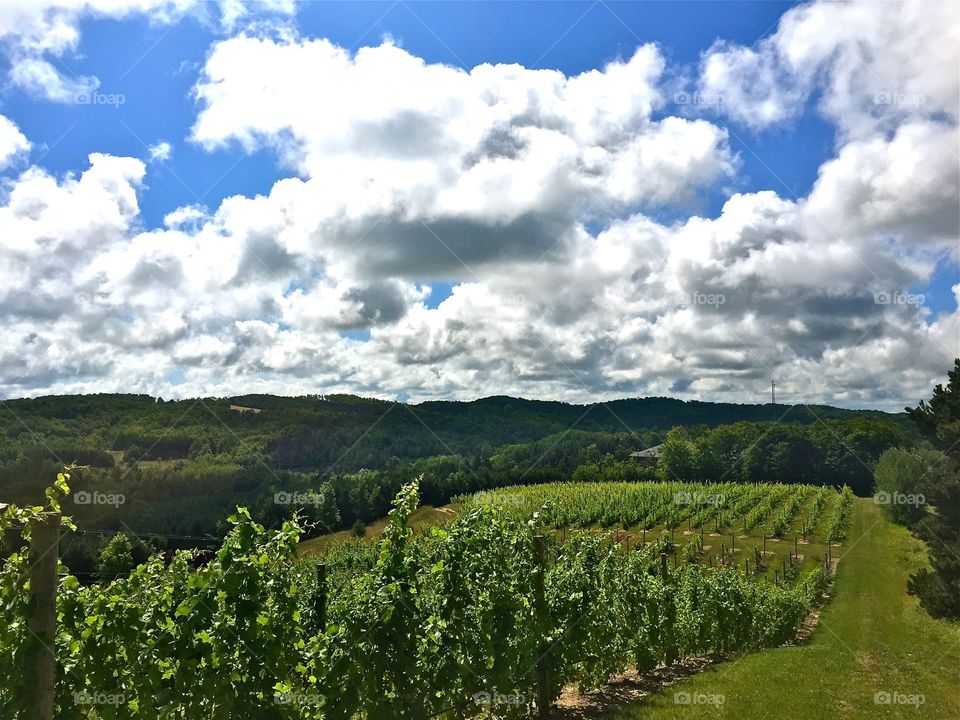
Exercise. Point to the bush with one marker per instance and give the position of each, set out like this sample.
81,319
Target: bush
359,529
898,478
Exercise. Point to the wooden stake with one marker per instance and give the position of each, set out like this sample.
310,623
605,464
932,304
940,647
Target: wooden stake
540,607
320,599
41,663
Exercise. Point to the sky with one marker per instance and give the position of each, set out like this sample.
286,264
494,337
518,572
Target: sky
415,200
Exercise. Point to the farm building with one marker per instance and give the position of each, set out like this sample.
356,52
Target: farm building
649,457
244,409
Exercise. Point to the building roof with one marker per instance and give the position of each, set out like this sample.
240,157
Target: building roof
651,452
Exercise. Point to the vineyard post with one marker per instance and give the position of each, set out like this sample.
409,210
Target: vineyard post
42,663
830,550
701,532
796,546
764,544
320,600
644,534
733,540
540,606
663,565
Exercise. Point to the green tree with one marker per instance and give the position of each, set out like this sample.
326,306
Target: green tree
116,558
939,422
678,459
899,477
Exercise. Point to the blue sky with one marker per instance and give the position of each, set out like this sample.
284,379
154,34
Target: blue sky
148,67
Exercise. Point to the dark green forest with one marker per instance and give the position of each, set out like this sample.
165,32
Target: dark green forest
167,473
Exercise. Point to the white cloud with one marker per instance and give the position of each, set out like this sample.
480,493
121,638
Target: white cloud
160,151
382,128
534,194
906,185
13,143
876,64
37,33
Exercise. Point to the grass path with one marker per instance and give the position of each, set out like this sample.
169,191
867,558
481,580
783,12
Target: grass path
872,638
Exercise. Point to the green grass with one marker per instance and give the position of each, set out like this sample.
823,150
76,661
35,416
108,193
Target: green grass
872,638
426,516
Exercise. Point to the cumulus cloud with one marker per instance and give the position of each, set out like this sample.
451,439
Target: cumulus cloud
539,197
160,151
13,143
35,34
875,65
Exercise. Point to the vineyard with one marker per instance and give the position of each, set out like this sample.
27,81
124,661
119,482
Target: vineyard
497,610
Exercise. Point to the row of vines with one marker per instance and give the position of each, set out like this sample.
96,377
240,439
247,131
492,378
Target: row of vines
720,507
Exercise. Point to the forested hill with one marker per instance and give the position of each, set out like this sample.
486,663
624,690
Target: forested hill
347,431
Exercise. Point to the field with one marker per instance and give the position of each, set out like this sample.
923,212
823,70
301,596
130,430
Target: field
778,527
486,606
872,653
513,599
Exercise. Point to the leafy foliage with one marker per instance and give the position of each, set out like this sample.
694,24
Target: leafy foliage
416,626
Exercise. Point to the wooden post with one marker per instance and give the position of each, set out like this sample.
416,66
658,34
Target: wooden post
733,540
320,599
41,665
764,544
701,531
644,534
796,547
540,606
663,565
830,550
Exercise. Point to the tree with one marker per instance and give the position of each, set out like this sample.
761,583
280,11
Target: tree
116,558
939,422
678,458
898,482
